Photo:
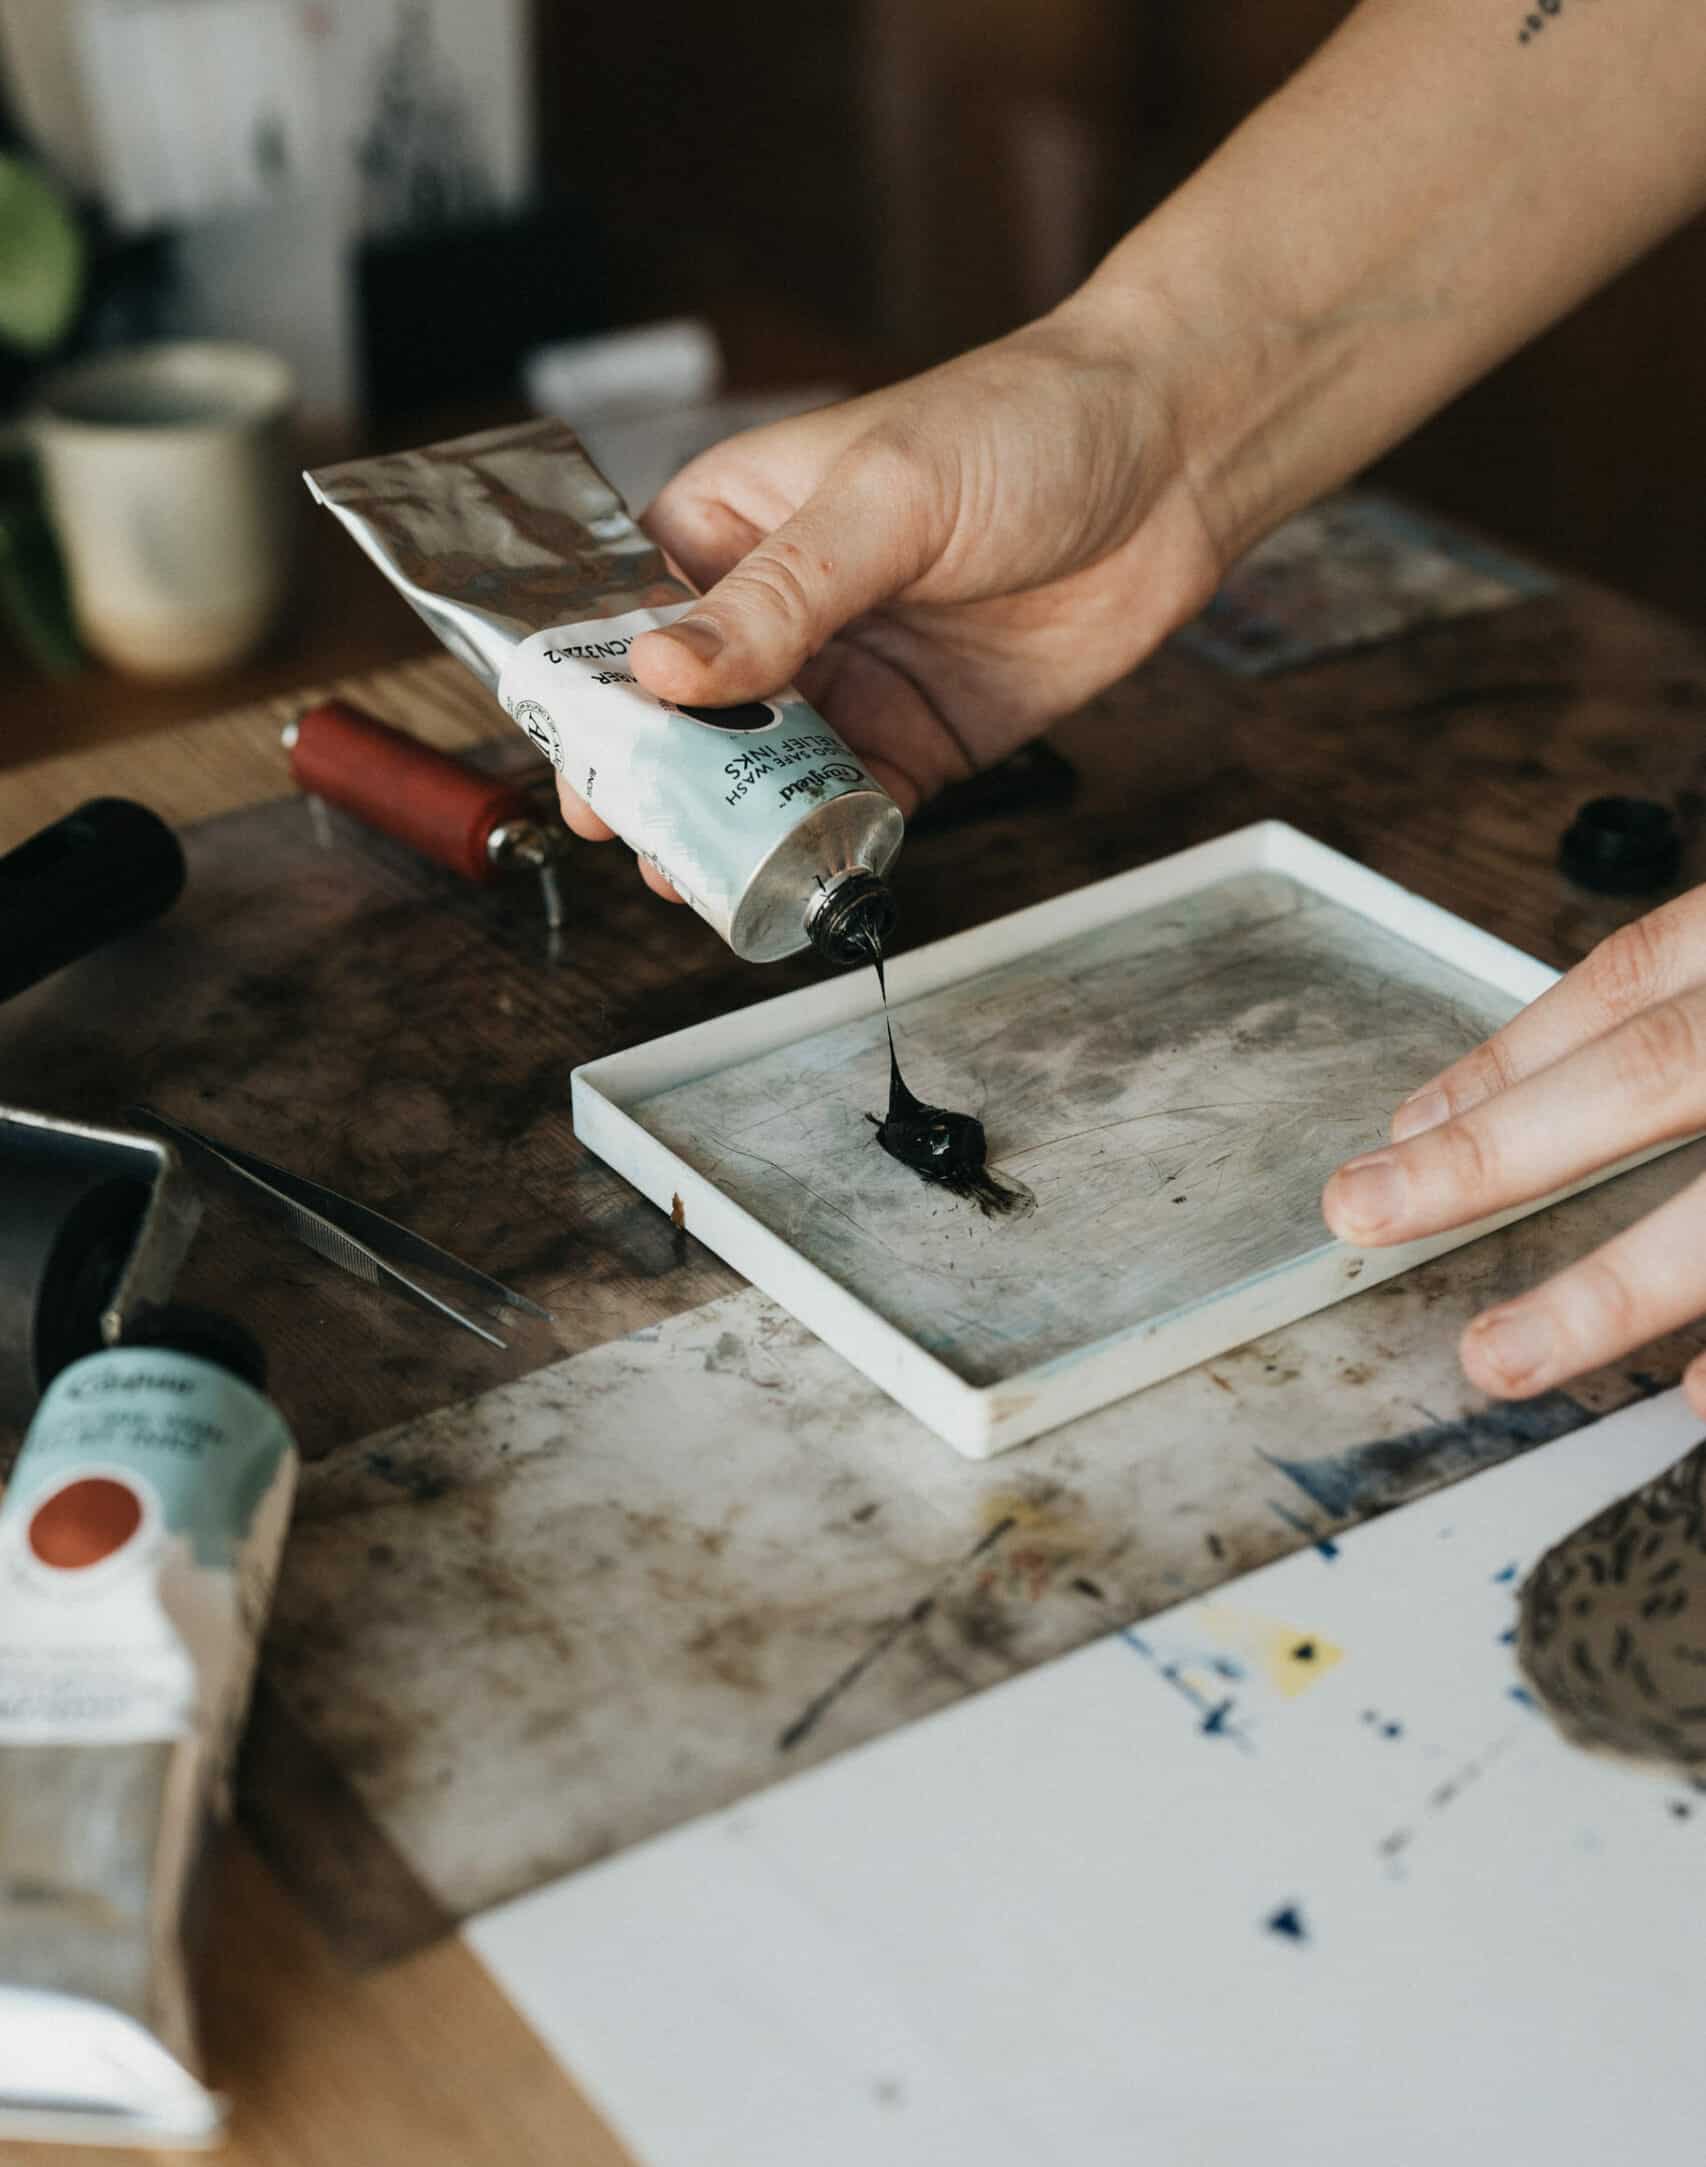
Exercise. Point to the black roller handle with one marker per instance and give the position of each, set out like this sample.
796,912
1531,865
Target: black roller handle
102,871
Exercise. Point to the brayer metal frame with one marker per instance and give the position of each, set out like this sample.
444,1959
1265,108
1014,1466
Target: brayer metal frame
169,1218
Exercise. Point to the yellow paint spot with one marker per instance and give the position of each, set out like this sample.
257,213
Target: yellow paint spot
1017,1509
1290,1657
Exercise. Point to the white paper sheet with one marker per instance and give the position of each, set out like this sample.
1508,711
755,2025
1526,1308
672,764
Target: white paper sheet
1051,1924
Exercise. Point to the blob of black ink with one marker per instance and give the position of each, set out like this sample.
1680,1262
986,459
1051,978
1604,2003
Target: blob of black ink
940,1145
1288,1923
946,1148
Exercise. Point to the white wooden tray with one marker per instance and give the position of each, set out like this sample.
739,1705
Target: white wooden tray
1173,1061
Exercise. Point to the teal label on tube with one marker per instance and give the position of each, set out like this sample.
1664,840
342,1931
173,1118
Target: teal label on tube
139,1537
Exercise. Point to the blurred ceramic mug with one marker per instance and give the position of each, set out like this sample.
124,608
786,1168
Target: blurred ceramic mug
172,489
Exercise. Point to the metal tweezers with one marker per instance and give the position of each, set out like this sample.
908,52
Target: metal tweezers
364,1242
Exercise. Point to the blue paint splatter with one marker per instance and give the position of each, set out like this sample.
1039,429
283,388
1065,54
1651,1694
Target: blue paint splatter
1523,1697
1288,1923
1374,1477
1328,1548
1216,1716
1508,1574
1507,1639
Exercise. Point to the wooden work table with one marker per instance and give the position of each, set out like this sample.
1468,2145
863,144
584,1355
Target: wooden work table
425,2063
1450,761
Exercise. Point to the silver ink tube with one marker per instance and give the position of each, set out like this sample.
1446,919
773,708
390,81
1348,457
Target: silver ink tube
139,1538
526,564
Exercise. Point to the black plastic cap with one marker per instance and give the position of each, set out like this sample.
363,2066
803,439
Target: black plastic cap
1622,846
203,1334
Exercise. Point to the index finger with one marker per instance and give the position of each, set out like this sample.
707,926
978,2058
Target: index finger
1649,960
1639,1085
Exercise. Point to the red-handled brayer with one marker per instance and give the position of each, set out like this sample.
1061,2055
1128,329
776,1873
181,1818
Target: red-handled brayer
467,822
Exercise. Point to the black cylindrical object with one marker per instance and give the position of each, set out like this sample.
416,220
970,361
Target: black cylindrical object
206,1334
65,1234
103,870
63,1240
1622,846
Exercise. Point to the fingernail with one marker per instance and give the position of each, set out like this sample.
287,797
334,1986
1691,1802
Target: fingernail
1518,1344
1367,1193
698,635
1417,1115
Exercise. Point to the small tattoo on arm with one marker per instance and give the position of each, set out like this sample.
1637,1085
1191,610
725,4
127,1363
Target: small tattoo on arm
1538,16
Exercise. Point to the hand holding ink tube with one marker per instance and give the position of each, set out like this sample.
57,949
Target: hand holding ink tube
521,557
967,556
945,567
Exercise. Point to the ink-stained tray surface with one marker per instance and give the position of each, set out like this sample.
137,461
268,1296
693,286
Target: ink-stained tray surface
1171,1062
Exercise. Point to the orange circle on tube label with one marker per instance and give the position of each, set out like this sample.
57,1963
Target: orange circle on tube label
84,1522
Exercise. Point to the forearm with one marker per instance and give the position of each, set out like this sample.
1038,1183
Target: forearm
1428,193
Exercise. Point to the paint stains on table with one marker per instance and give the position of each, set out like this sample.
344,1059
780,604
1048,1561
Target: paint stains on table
802,1725
1373,1477
655,1561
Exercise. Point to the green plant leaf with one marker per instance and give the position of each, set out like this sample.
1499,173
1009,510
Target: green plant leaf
41,258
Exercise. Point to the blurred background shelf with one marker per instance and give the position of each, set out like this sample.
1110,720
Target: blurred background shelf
845,193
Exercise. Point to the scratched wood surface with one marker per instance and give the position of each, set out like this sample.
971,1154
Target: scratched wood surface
1449,761
658,1577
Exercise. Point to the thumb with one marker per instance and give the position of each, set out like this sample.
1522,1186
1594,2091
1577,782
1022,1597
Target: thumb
864,536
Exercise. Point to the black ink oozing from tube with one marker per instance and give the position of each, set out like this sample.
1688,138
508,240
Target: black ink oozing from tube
945,1148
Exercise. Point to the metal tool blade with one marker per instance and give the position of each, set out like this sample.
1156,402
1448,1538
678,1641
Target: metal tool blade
344,1232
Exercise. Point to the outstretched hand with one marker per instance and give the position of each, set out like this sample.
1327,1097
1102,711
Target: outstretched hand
1606,1063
